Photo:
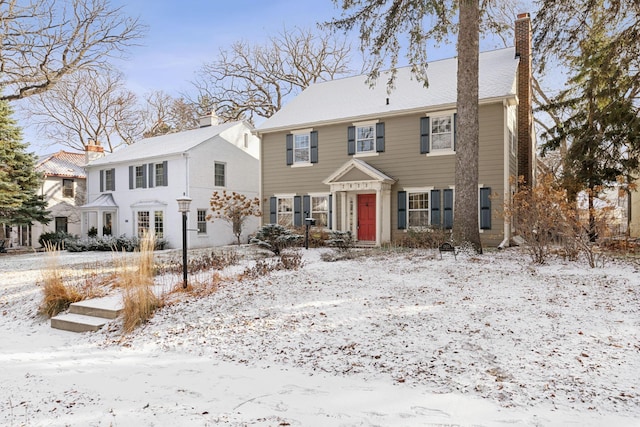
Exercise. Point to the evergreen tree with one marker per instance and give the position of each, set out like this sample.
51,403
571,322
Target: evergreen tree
19,181
601,120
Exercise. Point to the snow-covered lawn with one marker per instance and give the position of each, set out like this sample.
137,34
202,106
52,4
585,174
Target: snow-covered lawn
393,338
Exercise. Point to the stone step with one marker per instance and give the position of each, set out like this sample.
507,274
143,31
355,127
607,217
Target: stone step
107,307
77,322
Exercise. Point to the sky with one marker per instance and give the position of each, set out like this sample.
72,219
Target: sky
182,36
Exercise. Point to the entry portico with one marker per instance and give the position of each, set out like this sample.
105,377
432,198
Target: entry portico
361,195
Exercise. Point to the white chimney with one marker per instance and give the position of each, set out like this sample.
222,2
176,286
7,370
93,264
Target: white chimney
210,119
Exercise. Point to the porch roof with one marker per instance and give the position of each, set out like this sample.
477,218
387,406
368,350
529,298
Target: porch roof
103,201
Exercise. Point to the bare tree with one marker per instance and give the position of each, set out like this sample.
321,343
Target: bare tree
166,114
44,40
88,106
255,80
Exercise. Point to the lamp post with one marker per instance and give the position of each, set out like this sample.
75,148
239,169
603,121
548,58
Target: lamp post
183,206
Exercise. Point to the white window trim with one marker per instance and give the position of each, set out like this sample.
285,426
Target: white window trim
301,132
198,233
440,151
215,162
285,196
362,124
326,196
410,190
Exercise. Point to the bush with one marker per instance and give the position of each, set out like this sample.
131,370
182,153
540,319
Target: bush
275,238
427,238
108,243
342,241
54,239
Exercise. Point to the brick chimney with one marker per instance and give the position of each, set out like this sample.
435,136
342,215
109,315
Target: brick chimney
526,146
93,150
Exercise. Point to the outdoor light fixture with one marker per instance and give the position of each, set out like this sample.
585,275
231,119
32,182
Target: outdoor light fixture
183,206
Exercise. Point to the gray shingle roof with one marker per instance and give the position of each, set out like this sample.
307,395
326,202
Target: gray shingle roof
351,98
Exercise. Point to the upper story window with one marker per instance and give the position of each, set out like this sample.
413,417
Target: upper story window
219,174
438,133
302,147
140,181
365,138
67,188
160,174
107,180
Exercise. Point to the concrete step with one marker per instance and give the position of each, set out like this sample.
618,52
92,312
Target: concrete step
107,307
88,315
77,322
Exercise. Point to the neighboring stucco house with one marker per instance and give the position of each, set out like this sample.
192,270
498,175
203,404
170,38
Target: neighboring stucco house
634,211
135,188
376,163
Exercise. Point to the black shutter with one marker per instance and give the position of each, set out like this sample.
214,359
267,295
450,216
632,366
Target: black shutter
297,211
485,208
402,210
130,177
455,131
289,142
152,174
101,181
314,146
448,208
165,173
425,132
273,210
351,140
329,220
113,180
435,208
306,206
379,137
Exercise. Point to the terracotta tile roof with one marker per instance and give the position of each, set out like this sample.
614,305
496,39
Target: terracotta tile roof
63,164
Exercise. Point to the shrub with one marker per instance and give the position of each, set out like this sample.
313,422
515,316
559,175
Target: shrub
427,238
275,238
108,243
53,239
342,241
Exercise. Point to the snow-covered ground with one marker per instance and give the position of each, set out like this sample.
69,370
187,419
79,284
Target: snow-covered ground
394,338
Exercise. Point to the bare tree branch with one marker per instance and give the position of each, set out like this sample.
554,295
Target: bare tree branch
44,40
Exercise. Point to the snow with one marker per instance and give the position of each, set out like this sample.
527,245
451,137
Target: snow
390,338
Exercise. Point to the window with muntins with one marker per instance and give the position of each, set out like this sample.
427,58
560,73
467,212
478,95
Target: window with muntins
61,223
143,222
365,139
159,174
107,180
301,148
441,133
67,188
139,171
320,210
285,211
202,221
158,223
219,175
418,209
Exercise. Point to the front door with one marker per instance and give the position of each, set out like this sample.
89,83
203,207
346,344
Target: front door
367,217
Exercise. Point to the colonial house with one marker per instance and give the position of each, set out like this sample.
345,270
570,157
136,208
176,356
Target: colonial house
378,164
134,189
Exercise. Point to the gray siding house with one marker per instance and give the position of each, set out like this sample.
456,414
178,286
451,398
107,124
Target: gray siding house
378,164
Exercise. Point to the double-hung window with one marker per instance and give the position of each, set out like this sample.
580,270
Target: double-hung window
365,139
107,180
219,174
160,174
158,222
140,181
285,211
320,210
418,209
67,187
301,148
202,221
438,133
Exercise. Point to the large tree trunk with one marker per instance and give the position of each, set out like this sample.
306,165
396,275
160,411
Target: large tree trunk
465,226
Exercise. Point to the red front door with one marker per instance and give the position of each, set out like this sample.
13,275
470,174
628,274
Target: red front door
367,217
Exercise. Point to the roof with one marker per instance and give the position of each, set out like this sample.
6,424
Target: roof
352,98
64,164
102,201
164,145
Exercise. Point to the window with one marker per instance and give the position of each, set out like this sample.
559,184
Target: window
301,148
320,210
418,209
438,133
202,221
67,188
142,222
365,139
219,174
246,140
158,222
107,180
285,211
140,181
160,174
61,224
107,221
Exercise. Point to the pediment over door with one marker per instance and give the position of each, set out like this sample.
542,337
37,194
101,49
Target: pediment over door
358,175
